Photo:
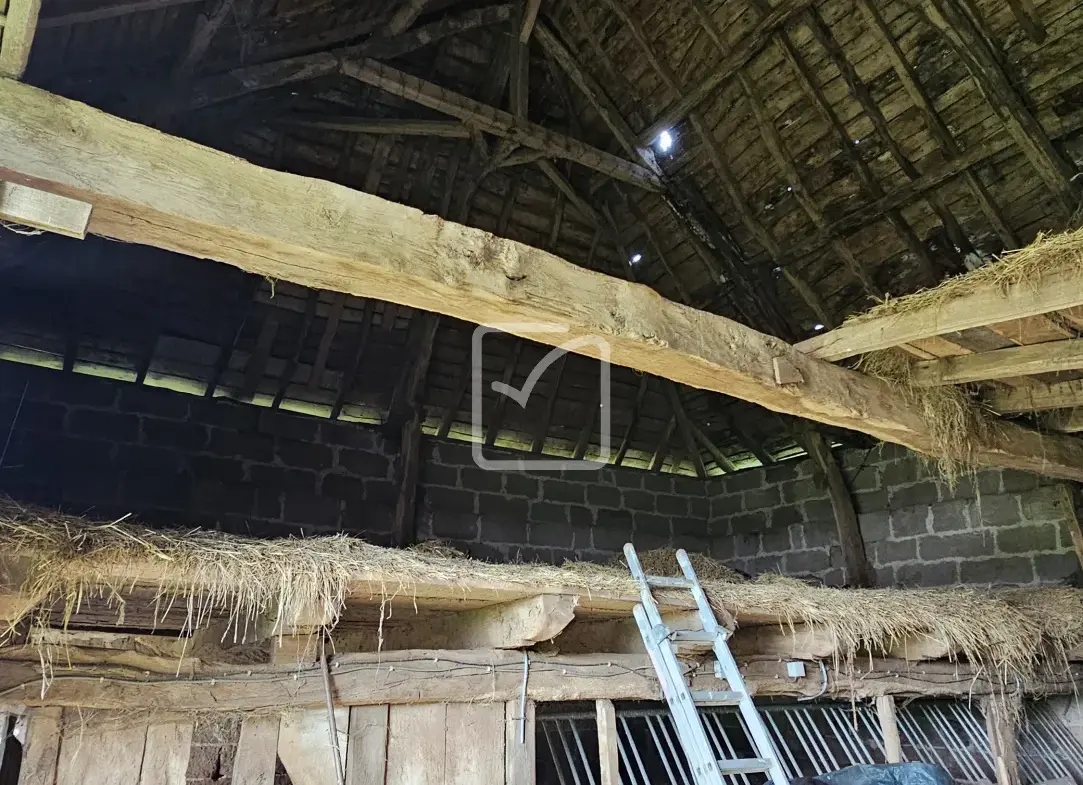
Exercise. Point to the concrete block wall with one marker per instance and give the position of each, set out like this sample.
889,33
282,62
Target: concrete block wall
1000,527
554,516
111,448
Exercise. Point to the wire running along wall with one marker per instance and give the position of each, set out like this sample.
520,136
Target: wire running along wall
811,738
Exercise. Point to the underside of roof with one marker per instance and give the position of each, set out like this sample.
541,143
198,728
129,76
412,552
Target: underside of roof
782,165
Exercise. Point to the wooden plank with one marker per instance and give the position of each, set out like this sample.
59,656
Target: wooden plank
257,750
20,23
41,748
477,675
416,736
1002,723
497,122
608,751
530,18
43,210
304,745
520,754
425,262
110,11
366,752
1037,398
889,728
444,129
165,757
474,743
105,750
1065,420
330,329
984,304
1000,364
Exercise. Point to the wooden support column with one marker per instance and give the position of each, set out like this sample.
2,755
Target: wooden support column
20,21
41,749
853,546
608,750
982,63
1002,714
889,728
257,751
409,416
520,753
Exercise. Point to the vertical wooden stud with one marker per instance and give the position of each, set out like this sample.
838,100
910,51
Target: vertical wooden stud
165,756
889,728
366,750
519,744
42,747
607,743
257,751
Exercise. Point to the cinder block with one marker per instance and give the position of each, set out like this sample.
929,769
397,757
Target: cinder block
102,424
759,498
1003,571
910,522
166,404
748,522
475,479
923,574
951,515
547,512
965,545
671,505
1050,503
641,501
289,426
997,510
875,526
806,562
557,491
891,551
304,455
362,464
451,499
920,493
1027,538
1058,568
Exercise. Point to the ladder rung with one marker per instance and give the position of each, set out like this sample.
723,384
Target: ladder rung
660,582
716,698
693,636
746,766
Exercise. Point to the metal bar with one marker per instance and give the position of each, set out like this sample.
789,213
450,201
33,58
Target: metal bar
730,749
624,755
568,753
978,737
1052,762
810,720
795,770
1066,742
955,743
846,734
582,753
818,766
553,751
918,740
875,733
661,751
635,752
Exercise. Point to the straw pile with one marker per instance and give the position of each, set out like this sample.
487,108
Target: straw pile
1047,254
1011,633
955,423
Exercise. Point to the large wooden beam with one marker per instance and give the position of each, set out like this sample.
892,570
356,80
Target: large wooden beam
149,188
1001,363
497,122
1038,397
984,304
17,35
479,675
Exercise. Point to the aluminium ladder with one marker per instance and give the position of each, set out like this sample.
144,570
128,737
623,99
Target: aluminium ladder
684,703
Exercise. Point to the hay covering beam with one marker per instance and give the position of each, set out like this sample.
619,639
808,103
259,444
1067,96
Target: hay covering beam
974,300
153,189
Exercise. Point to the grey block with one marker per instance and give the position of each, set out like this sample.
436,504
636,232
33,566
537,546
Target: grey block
1027,538
910,522
965,545
918,574
891,551
1006,571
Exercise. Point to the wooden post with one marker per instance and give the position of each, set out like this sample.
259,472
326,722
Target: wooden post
853,546
889,728
519,750
41,748
1002,722
366,750
406,413
607,743
257,751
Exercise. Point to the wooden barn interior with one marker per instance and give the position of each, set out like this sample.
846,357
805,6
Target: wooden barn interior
793,287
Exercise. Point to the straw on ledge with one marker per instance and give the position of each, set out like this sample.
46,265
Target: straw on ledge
1011,634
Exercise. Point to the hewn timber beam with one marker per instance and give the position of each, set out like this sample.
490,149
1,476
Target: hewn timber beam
497,122
111,11
748,48
216,206
17,36
447,129
858,572
984,304
1065,420
482,675
1037,398
972,47
406,14
206,28
253,78
1001,363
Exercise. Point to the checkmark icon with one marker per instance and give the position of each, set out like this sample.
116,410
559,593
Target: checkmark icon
522,394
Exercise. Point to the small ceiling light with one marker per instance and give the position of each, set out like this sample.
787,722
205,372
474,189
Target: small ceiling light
665,141
817,327
789,187
636,258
